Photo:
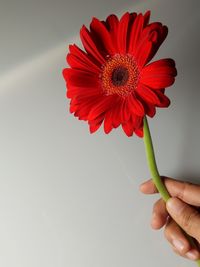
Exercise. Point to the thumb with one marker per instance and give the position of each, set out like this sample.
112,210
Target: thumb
186,216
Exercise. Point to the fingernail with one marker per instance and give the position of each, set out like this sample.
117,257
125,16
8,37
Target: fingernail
178,244
174,205
154,220
142,186
142,183
192,255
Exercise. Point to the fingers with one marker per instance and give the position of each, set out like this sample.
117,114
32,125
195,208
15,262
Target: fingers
193,254
159,215
186,216
182,214
189,193
148,187
178,241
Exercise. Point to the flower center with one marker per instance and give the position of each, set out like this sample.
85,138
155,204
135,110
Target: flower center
119,75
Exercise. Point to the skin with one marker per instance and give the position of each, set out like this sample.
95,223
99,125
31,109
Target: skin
181,209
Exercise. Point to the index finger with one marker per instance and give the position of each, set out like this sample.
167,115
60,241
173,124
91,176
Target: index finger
189,193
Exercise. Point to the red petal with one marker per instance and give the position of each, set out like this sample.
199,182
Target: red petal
76,63
160,67
142,54
108,122
102,37
160,35
128,128
79,59
125,111
154,33
135,105
116,118
164,100
148,34
89,45
98,119
163,33
139,132
122,33
83,108
94,127
148,107
137,121
147,94
112,23
147,17
135,33
158,81
102,106
82,91
80,78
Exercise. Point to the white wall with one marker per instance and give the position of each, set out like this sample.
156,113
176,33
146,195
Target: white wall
68,198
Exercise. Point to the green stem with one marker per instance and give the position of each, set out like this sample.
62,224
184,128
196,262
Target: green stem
154,170
152,162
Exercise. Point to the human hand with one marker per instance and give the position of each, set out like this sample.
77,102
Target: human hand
183,209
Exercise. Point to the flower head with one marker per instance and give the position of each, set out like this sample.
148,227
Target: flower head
112,82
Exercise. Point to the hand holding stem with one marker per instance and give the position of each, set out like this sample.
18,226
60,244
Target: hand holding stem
182,214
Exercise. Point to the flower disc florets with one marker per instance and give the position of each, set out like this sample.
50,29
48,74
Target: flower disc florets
119,75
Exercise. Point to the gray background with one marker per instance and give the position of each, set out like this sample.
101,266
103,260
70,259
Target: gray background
68,198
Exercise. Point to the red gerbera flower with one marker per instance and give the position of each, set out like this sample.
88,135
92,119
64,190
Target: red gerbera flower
110,82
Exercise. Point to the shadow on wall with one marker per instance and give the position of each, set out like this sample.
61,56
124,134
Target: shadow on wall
29,28
189,90
53,35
